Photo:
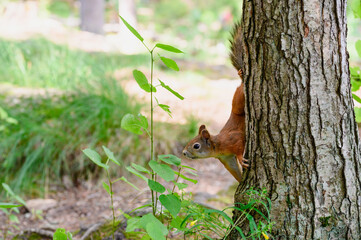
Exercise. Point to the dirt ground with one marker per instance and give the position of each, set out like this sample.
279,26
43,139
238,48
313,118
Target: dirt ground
83,207
80,208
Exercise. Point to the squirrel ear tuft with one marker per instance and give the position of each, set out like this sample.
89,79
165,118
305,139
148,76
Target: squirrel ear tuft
205,134
201,128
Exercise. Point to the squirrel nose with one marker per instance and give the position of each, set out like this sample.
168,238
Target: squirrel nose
184,153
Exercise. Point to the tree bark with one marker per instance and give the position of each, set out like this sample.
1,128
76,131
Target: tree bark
302,139
92,15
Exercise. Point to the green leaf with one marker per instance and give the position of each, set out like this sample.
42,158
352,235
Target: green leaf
186,178
147,219
8,189
3,114
240,232
60,234
145,237
140,168
132,170
185,166
143,121
12,194
170,63
356,98
170,159
142,81
358,47
127,216
191,172
168,48
164,171
11,120
154,232
206,236
171,203
95,157
260,213
9,205
125,180
357,114
107,188
171,90
252,224
166,109
356,8
135,33
13,218
143,206
177,223
151,223
355,71
133,124
355,85
132,224
181,185
223,214
156,186
110,155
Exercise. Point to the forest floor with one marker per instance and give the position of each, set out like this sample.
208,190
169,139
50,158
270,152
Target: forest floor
208,101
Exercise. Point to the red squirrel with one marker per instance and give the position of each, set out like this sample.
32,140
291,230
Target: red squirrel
228,146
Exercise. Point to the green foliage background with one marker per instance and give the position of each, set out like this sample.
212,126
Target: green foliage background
83,108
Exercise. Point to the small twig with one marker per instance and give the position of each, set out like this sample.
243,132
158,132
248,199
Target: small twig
90,230
41,232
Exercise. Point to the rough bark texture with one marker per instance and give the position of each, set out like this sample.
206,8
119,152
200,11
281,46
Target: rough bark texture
92,15
302,139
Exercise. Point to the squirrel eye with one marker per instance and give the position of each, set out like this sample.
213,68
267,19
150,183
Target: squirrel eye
196,146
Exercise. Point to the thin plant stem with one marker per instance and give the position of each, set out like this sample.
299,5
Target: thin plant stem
238,221
154,200
179,171
161,213
111,200
6,226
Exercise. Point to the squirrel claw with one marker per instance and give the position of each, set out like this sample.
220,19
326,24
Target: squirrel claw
244,163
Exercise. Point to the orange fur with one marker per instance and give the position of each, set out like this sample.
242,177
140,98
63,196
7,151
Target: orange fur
229,144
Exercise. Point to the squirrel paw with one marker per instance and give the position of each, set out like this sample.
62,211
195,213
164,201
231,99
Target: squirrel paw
240,73
243,162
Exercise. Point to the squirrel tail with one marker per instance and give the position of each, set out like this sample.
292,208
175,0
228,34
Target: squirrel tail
236,47
238,102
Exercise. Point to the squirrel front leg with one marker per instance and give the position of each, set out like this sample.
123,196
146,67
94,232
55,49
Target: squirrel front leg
231,163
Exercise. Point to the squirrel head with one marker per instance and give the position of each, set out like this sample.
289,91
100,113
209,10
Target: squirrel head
200,146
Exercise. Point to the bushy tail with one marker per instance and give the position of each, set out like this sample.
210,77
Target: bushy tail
236,47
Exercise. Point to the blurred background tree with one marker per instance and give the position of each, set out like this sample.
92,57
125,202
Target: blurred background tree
92,15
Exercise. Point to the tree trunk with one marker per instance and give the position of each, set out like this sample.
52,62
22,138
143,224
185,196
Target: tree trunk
302,139
92,15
